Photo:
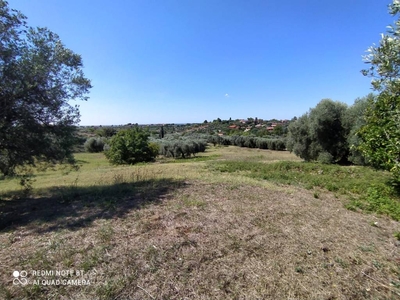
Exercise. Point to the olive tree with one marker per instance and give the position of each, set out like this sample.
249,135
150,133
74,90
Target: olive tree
380,136
321,133
38,77
354,120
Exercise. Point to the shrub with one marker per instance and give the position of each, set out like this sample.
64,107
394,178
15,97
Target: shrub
131,146
95,144
330,127
325,158
106,132
181,147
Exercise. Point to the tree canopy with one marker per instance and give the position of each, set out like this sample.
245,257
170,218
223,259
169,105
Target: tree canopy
327,133
131,146
320,132
380,136
38,78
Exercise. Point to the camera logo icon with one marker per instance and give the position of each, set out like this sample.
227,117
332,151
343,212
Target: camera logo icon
20,278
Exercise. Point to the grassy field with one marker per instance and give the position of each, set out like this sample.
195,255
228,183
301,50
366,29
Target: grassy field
232,223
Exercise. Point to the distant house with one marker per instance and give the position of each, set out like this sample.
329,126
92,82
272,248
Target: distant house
270,128
232,126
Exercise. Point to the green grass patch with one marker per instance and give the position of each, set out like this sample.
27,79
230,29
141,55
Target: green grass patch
188,159
366,189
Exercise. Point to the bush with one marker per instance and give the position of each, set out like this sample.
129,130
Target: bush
106,132
181,148
131,146
330,127
95,144
249,142
325,158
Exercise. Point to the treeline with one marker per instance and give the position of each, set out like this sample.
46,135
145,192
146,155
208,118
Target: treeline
249,142
181,146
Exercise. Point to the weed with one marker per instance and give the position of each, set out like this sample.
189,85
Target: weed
90,261
193,202
110,289
341,262
367,248
118,178
105,233
377,264
367,189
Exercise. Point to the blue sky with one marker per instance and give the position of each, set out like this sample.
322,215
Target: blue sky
179,61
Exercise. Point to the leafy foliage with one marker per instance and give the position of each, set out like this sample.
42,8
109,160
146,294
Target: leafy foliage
322,130
248,142
354,119
182,148
380,135
106,132
95,144
38,76
130,146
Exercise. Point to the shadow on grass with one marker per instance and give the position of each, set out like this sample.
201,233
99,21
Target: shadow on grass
76,207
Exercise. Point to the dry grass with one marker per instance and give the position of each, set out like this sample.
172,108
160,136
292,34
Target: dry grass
177,231
249,154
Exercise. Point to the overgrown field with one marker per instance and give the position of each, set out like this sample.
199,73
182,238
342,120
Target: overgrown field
230,223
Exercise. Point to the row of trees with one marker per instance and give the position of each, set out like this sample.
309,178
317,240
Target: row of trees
249,142
181,148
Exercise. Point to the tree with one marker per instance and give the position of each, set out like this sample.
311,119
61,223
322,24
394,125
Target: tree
106,132
299,139
131,146
320,132
328,129
279,130
38,76
162,132
380,136
95,144
354,119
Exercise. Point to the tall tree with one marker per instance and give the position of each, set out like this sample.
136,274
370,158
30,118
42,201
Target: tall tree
322,131
162,132
38,76
380,136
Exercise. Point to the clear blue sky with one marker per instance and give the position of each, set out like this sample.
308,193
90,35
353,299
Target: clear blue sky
179,61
